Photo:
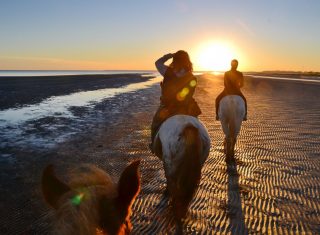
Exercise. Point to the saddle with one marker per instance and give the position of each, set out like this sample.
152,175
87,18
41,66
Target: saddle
191,108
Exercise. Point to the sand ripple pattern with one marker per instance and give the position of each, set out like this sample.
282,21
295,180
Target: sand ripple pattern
274,187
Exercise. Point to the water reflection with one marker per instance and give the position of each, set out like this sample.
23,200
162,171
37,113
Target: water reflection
61,104
56,119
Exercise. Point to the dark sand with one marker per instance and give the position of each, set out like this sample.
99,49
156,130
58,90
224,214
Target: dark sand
18,91
275,187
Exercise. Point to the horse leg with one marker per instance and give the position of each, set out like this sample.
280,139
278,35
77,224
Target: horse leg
225,128
230,151
234,134
179,230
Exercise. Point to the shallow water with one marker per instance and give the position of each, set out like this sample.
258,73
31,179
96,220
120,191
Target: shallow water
61,104
54,119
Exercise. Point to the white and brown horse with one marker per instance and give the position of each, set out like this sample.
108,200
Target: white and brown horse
231,114
183,144
91,203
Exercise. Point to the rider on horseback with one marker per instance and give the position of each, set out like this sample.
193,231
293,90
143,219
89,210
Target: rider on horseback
177,89
233,81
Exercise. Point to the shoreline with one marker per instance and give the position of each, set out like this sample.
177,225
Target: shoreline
19,91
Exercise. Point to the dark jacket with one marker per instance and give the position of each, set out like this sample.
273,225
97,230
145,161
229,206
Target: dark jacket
233,81
177,93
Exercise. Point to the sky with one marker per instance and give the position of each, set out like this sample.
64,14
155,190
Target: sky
118,34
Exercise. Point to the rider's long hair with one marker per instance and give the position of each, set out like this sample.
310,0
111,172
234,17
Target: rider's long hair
181,60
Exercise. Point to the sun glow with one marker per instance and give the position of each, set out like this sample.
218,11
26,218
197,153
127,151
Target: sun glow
214,56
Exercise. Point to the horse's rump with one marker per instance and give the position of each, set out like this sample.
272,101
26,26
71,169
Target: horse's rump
168,139
231,107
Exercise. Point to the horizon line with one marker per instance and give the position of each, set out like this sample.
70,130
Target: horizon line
154,70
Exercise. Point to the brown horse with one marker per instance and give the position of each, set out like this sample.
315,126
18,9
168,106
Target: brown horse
91,203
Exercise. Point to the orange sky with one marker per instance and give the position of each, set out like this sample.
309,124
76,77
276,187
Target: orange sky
266,35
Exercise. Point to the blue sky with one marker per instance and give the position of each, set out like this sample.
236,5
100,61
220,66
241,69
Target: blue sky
101,34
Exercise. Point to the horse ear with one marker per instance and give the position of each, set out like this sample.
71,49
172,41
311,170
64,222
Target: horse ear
129,185
52,187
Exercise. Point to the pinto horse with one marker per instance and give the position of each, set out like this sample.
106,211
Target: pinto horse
231,114
91,203
183,144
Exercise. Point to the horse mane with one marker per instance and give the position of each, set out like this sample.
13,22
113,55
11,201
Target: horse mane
189,173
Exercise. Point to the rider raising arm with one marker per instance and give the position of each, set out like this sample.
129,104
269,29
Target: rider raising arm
177,89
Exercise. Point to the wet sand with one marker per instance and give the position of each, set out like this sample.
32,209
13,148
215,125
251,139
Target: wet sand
19,91
274,188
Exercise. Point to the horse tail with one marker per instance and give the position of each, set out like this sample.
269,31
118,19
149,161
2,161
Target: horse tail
189,172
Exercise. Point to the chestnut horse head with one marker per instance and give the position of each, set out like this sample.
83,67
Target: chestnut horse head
91,203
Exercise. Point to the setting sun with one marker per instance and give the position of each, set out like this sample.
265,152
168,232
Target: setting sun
214,56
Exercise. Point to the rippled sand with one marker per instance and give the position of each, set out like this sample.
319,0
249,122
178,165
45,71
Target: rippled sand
273,189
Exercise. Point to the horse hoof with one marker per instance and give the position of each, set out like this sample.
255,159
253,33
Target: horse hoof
179,230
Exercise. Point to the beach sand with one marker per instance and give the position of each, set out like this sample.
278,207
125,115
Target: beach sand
275,187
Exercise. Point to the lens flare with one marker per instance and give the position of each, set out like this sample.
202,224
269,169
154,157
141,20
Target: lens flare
76,200
182,94
193,83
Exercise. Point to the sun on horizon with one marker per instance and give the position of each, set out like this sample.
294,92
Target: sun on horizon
214,56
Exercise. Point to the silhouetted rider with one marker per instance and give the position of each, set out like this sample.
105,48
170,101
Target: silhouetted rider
233,81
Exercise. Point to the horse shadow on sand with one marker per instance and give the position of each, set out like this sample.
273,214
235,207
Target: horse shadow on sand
164,218
234,207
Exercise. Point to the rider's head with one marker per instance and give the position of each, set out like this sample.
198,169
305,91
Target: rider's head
181,60
234,64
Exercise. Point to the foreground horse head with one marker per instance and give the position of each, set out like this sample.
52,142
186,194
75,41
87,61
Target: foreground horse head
183,144
91,203
231,113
